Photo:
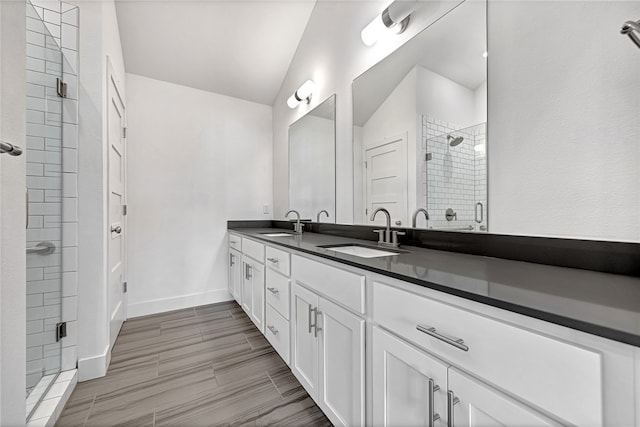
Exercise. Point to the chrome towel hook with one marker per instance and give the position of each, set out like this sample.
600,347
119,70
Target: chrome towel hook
630,28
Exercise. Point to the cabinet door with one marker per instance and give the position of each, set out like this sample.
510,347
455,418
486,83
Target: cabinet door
409,386
304,346
341,370
247,287
256,274
481,405
235,275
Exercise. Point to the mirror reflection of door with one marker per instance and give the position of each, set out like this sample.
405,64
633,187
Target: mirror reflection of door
386,179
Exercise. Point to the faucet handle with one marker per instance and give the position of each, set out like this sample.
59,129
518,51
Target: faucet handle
394,236
380,235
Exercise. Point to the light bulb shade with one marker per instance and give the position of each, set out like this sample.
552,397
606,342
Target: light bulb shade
394,18
293,102
304,92
373,31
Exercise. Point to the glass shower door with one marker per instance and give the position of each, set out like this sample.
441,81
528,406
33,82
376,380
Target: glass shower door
44,192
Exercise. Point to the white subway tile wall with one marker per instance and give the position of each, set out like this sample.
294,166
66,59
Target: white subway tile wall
454,177
52,143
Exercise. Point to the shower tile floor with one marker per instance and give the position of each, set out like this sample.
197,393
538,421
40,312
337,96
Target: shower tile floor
200,366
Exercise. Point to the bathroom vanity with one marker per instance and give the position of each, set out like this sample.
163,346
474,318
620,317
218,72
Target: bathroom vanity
427,337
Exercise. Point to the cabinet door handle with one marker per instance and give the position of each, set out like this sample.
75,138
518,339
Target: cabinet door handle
273,329
315,323
451,402
456,342
273,260
249,271
231,262
433,417
274,291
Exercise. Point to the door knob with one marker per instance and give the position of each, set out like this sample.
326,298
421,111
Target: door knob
116,230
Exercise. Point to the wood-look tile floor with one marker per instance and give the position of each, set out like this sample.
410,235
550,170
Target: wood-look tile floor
203,366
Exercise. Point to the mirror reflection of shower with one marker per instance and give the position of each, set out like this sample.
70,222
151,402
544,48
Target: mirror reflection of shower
455,179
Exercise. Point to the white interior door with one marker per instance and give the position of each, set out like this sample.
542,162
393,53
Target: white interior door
117,196
386,179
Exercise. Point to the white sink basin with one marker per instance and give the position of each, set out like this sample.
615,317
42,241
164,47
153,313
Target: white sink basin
361,251
277,234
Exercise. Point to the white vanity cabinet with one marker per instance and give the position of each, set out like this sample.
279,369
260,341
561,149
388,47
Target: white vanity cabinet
434,359
327,342
253,275
563,380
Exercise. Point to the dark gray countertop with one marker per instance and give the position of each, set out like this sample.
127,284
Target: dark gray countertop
602,304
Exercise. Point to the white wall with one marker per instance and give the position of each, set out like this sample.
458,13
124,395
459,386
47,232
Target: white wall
332,54
196,160
564,128
99,39
12,215
446,100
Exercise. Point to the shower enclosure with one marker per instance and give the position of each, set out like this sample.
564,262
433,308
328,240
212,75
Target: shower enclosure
50,111
455,176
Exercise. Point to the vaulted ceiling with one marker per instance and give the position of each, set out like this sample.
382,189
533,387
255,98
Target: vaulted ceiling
238,48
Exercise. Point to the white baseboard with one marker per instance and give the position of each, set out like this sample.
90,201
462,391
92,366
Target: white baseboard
95,366
162,305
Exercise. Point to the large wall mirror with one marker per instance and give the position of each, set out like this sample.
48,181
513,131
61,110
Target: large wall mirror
420,127
555,154
312,177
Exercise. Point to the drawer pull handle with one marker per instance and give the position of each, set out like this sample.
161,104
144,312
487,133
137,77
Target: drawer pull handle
273,260
274,291
273,329
456,342
233,242
451,402
432,389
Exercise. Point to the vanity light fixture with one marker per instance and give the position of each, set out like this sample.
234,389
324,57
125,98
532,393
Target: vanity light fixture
303,93
394,18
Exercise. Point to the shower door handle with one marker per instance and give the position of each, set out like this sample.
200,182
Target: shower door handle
481,212
10,149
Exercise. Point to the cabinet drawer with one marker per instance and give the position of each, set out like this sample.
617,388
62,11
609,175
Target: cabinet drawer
561,378
277,291
235,242
253,249
278,260
277,332
343,286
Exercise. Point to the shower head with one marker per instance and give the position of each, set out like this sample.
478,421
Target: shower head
454,141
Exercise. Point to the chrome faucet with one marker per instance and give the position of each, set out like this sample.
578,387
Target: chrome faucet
415,216
298,225
386,237
322,211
